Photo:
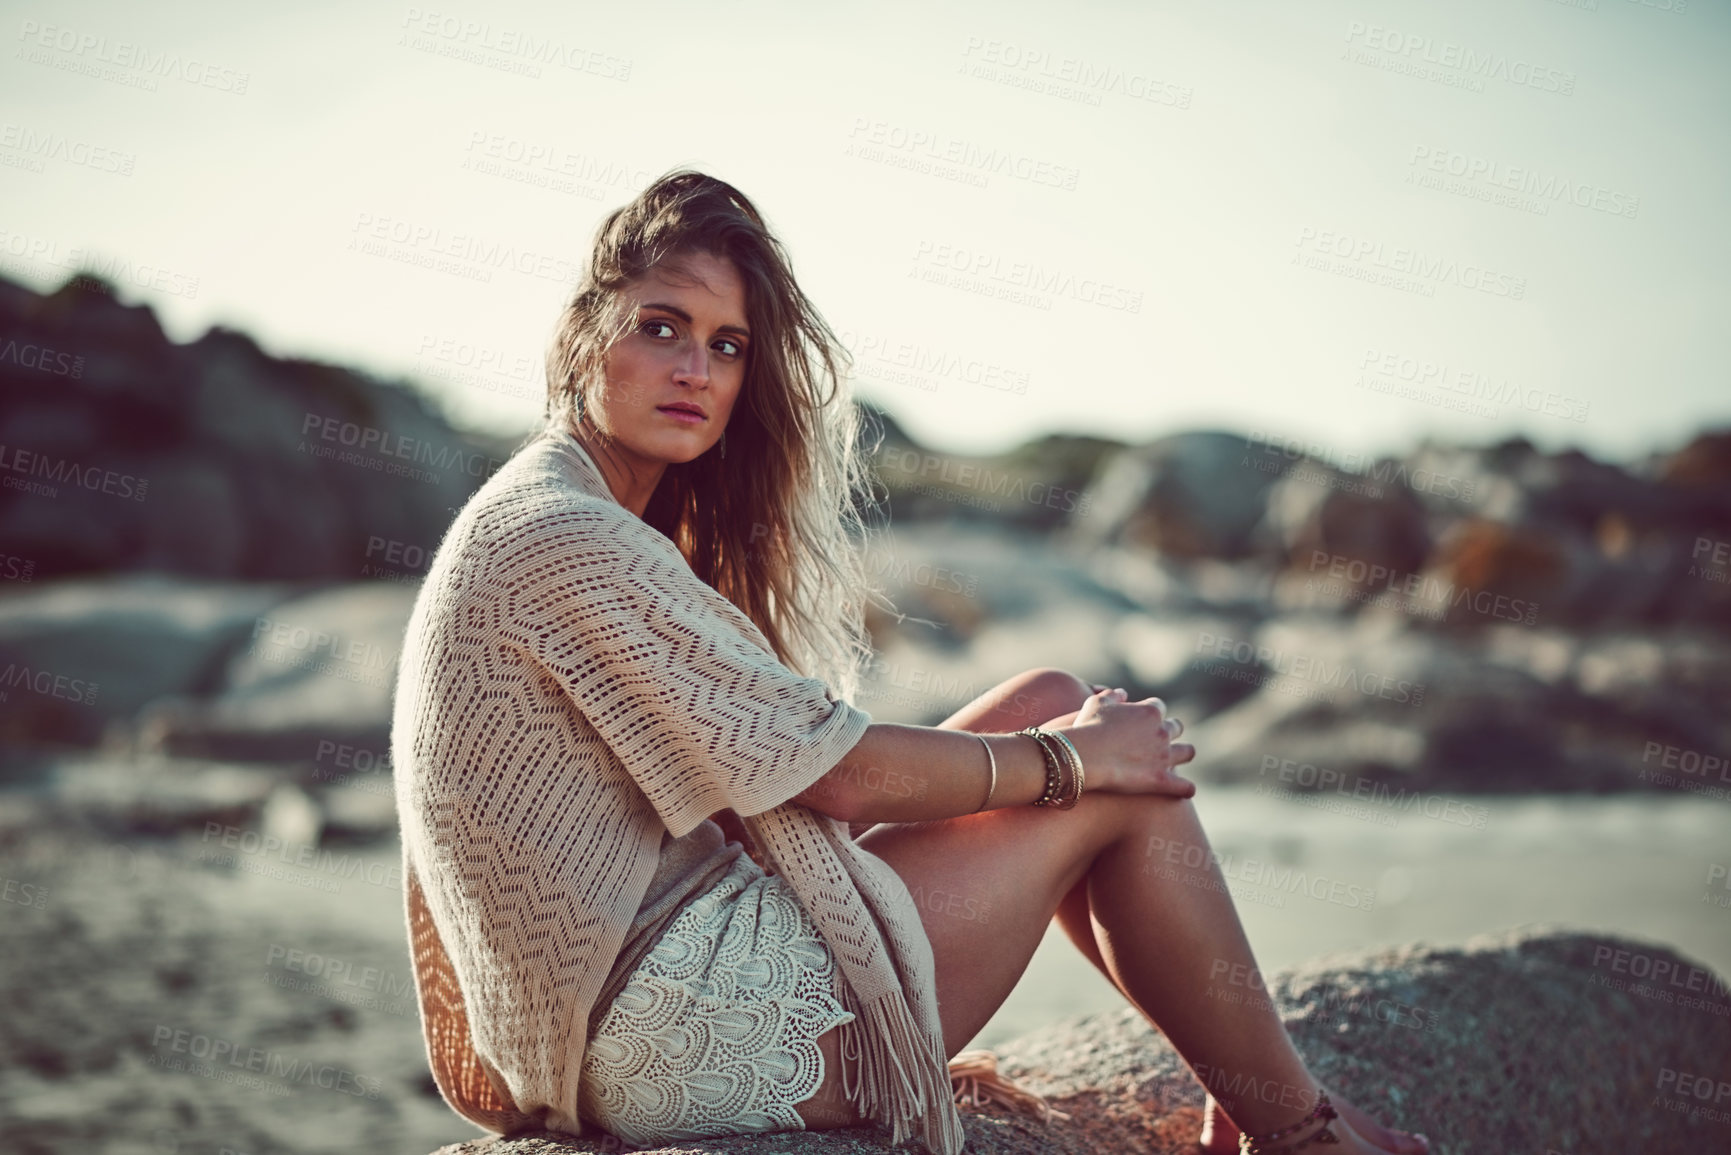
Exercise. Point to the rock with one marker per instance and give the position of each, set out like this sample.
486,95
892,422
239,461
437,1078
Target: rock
315,669
109,645
213,458
1190,495
1335,527
1503,709
1533,1040
157,796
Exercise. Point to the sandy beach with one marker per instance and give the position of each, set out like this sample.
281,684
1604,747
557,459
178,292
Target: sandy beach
134,962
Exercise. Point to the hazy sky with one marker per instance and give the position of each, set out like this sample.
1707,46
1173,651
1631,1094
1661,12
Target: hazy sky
1357,222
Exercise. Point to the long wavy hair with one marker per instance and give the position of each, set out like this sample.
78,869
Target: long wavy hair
775,525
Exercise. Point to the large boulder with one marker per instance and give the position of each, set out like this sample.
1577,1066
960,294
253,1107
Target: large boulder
1190,495
1533,1040
79,654
1506,708
123,450
311,672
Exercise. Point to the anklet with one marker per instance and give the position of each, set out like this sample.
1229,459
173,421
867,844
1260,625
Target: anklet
1249,1144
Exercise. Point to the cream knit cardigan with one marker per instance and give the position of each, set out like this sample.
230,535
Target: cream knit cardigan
568,688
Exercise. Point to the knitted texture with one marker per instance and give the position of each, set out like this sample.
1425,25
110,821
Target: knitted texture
568,689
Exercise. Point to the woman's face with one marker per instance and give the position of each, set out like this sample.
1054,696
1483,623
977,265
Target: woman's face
686,349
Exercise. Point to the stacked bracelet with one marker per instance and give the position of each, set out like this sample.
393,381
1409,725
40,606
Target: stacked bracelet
1074,795
1064,780
1054,773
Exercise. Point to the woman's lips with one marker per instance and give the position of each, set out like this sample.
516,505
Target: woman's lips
684,415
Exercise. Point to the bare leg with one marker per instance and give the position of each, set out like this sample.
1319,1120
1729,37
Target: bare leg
987,886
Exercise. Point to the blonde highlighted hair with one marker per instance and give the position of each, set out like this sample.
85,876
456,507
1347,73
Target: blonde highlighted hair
775,525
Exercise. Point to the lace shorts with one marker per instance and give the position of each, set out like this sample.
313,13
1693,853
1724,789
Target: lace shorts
715,1033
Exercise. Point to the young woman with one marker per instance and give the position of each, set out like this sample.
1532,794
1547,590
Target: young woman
639,638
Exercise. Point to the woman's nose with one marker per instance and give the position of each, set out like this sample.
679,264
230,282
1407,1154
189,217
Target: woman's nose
693,365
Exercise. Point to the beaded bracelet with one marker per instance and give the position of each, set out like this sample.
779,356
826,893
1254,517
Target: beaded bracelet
1056,765
1075,760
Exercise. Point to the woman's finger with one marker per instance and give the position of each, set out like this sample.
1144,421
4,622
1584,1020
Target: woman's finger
1173,727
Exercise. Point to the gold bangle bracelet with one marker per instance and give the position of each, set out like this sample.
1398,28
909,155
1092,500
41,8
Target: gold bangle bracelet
1054,771
992,768
1076,764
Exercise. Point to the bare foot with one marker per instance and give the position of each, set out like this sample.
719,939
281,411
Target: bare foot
1220,1134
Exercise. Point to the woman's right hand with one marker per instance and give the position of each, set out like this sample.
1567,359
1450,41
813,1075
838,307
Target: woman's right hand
1128,747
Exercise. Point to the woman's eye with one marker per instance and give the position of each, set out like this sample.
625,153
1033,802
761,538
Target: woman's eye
649,326
729,347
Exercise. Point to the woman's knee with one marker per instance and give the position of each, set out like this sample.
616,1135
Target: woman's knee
1047,692
1152,824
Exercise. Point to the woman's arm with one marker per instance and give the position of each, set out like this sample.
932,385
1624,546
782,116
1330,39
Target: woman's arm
902,773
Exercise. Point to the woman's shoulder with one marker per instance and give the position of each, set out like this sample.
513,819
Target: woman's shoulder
535,502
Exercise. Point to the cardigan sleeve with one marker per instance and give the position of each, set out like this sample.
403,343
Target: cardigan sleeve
678,681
